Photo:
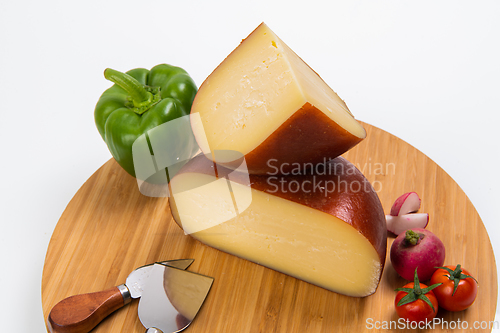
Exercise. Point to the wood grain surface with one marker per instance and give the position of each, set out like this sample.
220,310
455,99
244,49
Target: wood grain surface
109,228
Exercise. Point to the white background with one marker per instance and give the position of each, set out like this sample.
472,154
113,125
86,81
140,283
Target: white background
425,71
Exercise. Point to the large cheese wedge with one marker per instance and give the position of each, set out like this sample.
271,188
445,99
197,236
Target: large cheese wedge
327,229
265,102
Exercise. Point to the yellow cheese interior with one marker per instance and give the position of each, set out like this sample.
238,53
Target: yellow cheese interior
283,235
257,88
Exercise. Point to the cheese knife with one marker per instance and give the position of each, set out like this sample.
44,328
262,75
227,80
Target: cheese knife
81,313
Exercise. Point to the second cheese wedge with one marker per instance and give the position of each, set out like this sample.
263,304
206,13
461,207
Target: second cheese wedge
328,230
265,102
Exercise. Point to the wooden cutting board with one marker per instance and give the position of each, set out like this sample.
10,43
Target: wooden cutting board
109,228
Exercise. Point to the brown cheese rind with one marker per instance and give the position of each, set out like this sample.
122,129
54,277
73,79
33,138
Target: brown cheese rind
311,134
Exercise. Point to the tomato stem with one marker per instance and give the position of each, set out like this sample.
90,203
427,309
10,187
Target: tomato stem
456,275
416,292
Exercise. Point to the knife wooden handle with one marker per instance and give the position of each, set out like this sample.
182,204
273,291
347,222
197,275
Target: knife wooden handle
81,313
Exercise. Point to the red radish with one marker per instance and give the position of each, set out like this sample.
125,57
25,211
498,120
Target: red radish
405,204
399,224
417,248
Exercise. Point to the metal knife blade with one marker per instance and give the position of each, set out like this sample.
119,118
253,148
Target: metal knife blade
136,280
171,298
178,263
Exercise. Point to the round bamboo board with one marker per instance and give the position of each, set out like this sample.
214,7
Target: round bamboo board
109,228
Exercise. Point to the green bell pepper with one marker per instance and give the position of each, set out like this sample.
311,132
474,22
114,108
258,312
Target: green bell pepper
139,101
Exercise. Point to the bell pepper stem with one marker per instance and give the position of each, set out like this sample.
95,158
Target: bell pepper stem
140,96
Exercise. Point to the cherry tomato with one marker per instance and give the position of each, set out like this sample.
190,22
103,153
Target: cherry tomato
458,288
416,302
418,310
